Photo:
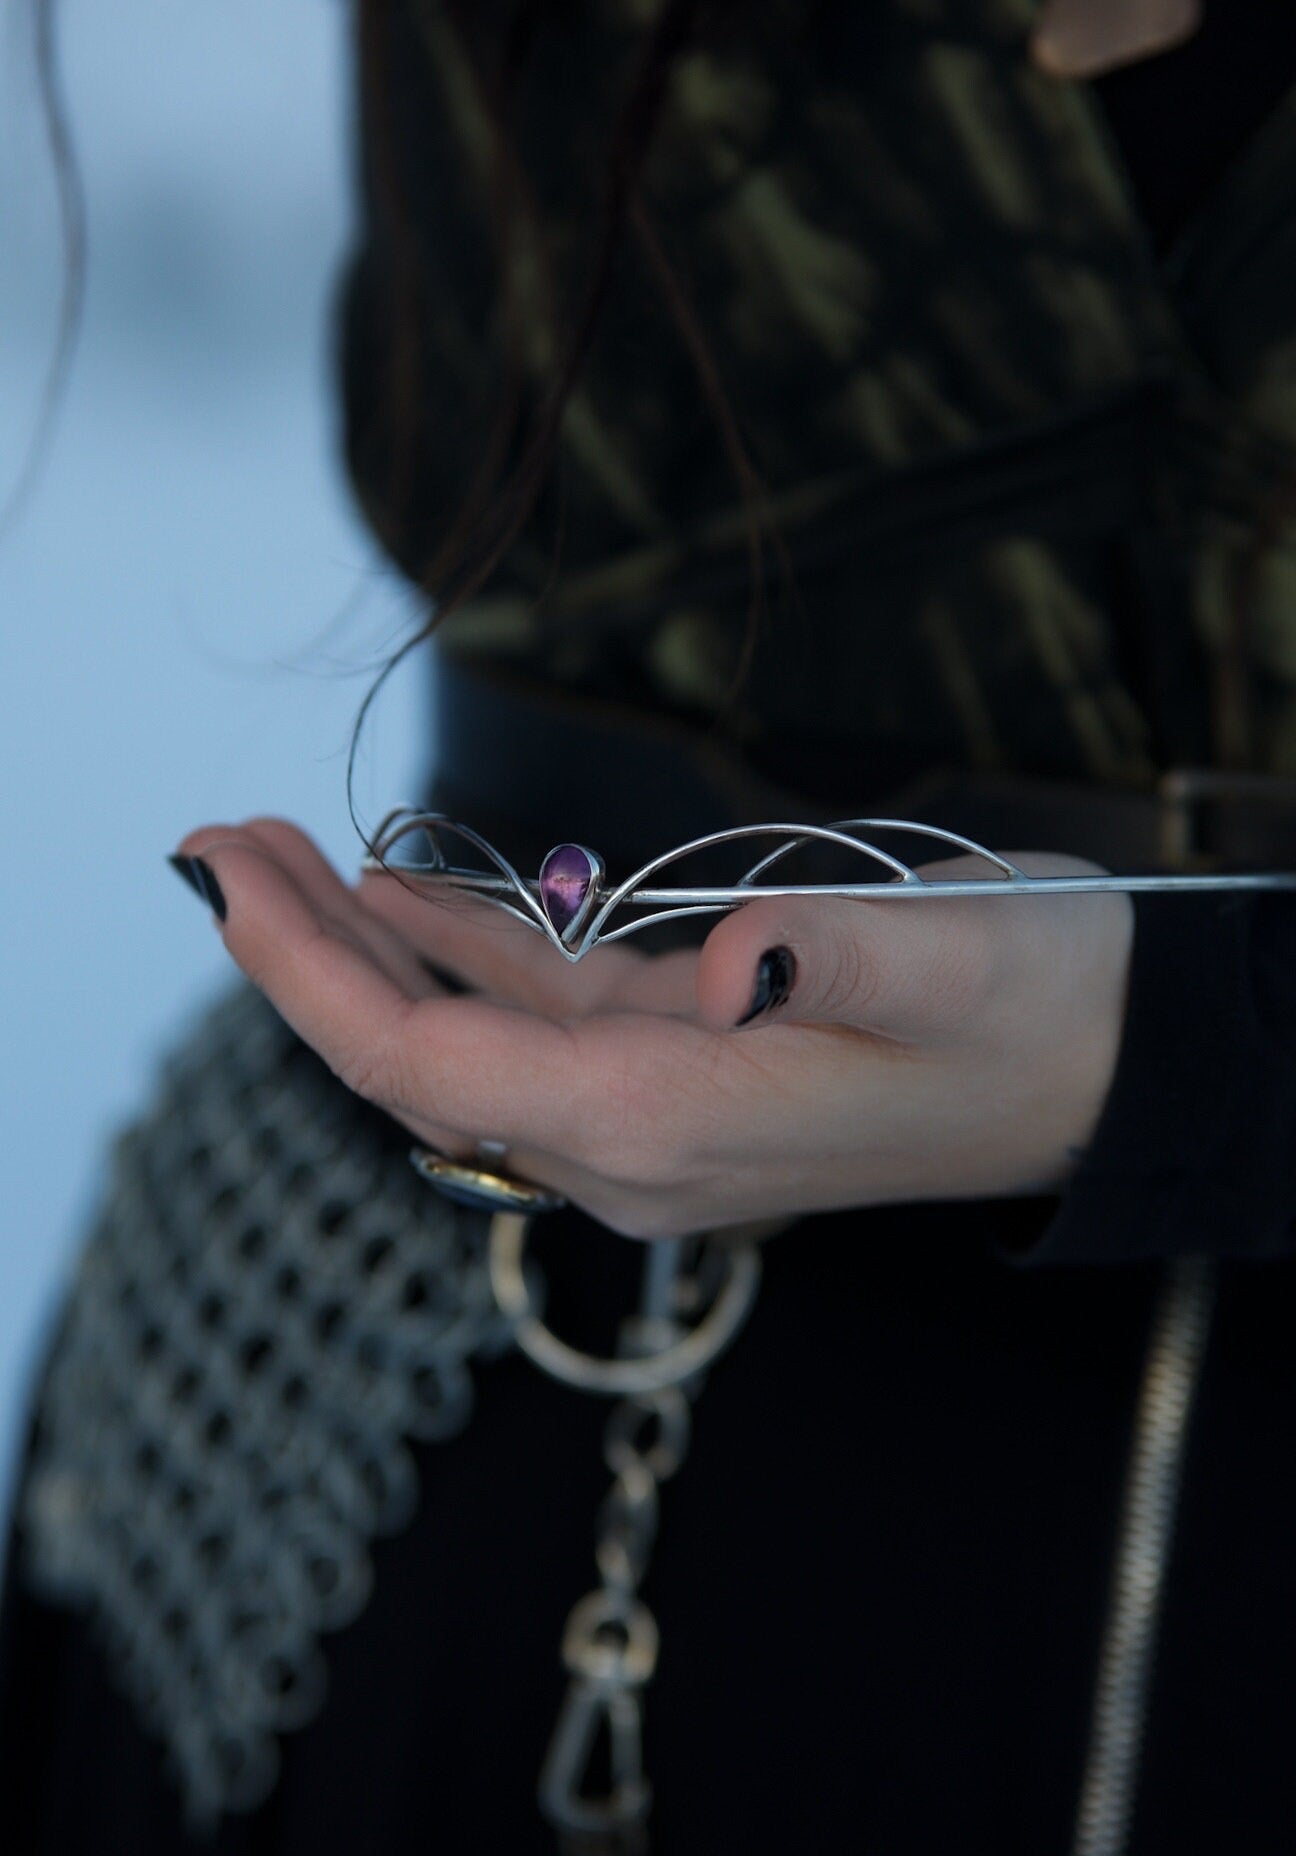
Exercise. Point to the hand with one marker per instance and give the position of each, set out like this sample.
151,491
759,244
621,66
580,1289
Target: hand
956,1048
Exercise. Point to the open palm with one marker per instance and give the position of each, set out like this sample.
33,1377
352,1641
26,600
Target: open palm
951,1049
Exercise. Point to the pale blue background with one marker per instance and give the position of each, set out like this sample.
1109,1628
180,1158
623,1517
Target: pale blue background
188,607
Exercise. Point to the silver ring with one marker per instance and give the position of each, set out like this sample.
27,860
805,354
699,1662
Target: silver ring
480,1187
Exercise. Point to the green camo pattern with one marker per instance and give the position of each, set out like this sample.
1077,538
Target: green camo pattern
1036,487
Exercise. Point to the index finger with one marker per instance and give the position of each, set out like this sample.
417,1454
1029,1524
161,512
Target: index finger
486,1070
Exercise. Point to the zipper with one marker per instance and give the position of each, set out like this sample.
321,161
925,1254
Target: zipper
1153,1477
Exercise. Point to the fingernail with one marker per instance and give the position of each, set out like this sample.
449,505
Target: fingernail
775,974
201,878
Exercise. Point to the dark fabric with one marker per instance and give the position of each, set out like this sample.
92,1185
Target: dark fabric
1181,119
882,1573
1196,1150
880,1579
931,298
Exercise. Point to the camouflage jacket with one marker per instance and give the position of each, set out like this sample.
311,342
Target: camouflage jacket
1034,484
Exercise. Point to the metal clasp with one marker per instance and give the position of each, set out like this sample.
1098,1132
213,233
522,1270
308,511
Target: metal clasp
610,1649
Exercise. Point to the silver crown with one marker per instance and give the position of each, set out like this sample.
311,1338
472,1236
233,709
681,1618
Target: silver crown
573,905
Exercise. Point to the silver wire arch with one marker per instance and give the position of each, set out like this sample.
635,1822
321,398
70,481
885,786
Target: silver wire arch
401,821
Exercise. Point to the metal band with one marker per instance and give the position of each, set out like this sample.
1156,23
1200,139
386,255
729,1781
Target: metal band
479,1188
576,909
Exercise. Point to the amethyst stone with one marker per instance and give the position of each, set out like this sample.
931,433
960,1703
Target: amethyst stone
567,879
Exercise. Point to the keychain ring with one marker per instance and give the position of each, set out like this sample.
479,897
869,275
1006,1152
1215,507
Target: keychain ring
671,1366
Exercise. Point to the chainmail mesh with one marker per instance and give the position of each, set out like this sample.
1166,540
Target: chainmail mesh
270,1303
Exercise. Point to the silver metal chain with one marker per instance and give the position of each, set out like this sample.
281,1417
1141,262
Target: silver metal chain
696,1295
610,1643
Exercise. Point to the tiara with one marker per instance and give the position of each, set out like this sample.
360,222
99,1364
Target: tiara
571,902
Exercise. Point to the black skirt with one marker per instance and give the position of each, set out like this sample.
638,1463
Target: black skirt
881,1580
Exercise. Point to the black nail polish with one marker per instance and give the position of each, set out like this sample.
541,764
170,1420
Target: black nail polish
201,878
775,974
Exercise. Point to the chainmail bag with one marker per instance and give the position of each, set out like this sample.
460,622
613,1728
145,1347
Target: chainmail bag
270,1303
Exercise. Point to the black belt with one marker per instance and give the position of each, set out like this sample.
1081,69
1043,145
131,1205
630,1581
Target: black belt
534,767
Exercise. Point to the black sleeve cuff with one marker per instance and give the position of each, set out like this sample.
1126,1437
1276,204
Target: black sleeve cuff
1196,1147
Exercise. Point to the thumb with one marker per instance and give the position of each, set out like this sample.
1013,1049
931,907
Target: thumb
902,969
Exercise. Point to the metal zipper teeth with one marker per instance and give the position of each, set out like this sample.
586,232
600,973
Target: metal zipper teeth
1176,1350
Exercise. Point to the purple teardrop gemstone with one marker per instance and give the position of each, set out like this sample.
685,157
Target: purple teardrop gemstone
565,878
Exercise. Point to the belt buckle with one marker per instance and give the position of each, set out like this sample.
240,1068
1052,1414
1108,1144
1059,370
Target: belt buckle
1206,815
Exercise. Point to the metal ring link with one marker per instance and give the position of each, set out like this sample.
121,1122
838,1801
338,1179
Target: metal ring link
673,1365
611,1639
623,1440
627,1526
